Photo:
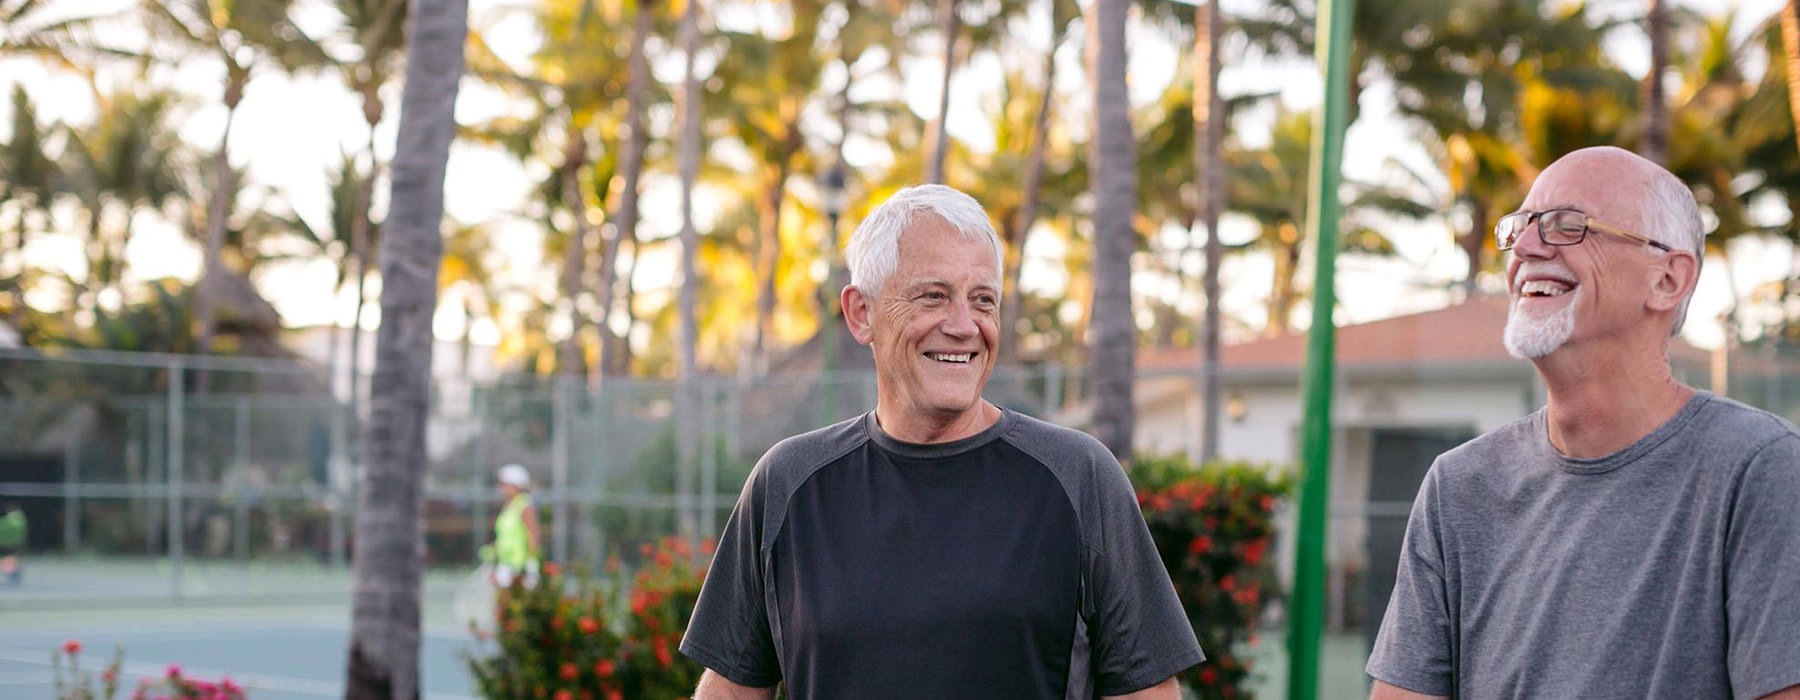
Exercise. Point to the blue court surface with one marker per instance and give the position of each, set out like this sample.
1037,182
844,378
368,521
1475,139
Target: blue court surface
282,634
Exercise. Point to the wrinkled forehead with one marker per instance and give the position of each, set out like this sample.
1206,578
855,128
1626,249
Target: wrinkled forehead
1602,185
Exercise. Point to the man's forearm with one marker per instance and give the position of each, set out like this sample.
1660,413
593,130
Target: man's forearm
716,687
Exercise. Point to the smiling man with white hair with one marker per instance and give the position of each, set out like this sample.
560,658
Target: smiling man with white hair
1635,537
938,546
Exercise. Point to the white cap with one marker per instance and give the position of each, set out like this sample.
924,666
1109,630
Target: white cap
515,475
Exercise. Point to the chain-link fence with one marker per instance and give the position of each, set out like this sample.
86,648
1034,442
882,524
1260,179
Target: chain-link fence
196,463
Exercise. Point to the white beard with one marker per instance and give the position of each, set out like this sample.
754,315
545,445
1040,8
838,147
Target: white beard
1529,337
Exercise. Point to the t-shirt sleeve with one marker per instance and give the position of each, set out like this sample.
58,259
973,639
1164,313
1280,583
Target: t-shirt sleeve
1762,577
1141,634
729,632
1413,648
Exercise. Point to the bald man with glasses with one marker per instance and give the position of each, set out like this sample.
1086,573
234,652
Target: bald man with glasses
1633,538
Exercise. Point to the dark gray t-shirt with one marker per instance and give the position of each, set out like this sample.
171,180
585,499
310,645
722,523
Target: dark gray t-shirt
1011,564
1669,569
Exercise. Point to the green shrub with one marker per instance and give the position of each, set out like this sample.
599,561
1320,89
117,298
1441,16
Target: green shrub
597,640
1213,526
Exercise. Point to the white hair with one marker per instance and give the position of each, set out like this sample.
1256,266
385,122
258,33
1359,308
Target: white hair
1672,217
874,250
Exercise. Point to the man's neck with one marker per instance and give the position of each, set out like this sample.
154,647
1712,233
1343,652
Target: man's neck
1600,406
926,430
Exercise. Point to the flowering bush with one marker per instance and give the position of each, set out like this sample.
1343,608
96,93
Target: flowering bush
1213,527
598,640
74,684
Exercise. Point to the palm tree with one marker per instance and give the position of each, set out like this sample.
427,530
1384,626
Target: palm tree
1209,186
29,181
376,36
1017,228
771,81
689,148
1112,338
239,35
128,160
1654,145
1790,43
631,169
383,660
949,25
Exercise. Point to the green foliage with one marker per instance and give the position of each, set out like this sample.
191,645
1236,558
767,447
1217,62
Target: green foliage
1213,526
608,639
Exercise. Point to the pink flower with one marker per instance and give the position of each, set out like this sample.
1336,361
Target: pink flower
174,671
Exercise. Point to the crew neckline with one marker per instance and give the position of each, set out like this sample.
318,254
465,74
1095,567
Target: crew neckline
937,449
1627,454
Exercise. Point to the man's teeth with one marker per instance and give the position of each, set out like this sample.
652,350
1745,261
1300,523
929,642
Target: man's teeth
1544,288
947,357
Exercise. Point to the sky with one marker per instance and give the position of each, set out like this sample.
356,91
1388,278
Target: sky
290,130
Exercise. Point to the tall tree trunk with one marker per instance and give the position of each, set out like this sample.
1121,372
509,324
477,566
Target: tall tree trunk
768,252
1209,169
1112,338
1012,301
631,169
361,229
575,252
1283,296
1655,145
949,25
384,635
1473,243
218,207
619,361
688,328
1790,40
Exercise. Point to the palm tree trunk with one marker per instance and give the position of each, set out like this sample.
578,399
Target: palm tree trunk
949,26
1655,144
1473,243
575,250
1790,40
688,331
217,209
1209,167
1012,302
631,169
1114,182
384,636
1283,296
769,255
360,229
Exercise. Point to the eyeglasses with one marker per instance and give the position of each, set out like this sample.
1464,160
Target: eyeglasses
1560,227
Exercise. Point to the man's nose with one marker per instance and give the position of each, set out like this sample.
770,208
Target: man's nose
1531,245
960,321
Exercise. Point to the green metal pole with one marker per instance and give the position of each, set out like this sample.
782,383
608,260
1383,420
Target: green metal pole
1306,618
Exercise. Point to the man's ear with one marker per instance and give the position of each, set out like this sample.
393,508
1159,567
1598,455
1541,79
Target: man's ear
1673,277
856,313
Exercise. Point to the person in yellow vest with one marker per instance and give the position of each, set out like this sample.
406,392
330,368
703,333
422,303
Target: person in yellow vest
517,539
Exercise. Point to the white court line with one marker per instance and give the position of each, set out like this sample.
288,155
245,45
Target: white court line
130,671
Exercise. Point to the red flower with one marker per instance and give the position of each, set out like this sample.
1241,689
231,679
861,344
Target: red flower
1253,552
551,569
662,653
568,672
1227,583
707,546
614,694
1208,675
564,695
663,559
1200,545
71,647
587,625
556,624
1267,502
604,668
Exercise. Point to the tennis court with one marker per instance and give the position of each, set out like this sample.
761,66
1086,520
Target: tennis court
281,632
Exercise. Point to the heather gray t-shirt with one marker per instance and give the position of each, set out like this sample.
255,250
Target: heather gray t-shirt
1012,564
1669,569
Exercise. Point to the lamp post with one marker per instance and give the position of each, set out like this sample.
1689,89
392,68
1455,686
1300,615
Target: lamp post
833,193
